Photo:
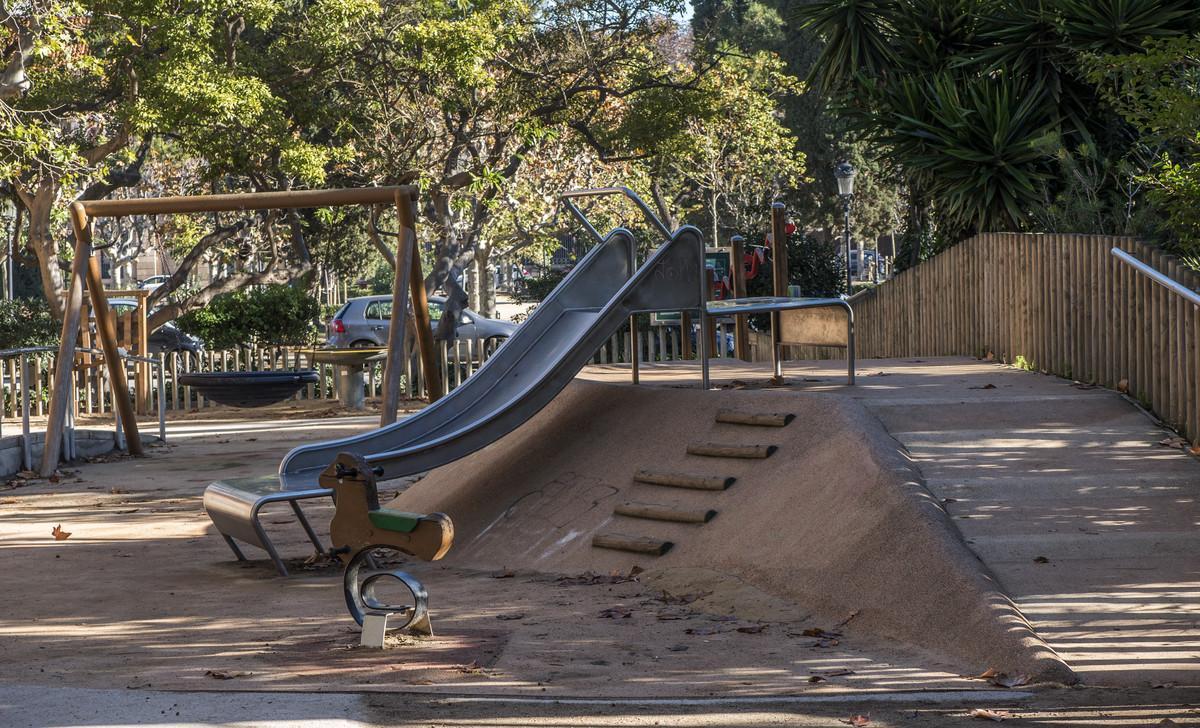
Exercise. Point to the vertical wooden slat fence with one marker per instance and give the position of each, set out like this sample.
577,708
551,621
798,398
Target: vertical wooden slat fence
1056,303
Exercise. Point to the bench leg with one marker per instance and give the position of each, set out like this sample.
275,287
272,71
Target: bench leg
234,547
269,547
312,535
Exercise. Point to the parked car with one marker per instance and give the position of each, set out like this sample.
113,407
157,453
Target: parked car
166,338
363,322
153,282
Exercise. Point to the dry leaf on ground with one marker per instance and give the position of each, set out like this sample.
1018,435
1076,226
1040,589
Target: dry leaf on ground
1176,442
59,534
989,714
858,720
221,675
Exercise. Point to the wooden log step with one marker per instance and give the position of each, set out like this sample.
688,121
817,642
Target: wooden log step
656,512
757,419
683,480
636,544
721,450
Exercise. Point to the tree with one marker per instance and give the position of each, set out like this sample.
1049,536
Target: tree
977,101
731,156
103,87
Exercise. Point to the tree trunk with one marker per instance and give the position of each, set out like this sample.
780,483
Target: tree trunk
485,280
39,205
716,219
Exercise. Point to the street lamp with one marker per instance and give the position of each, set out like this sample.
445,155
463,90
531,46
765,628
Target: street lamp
845,181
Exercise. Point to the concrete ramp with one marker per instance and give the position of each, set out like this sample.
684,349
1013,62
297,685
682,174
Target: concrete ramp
825,512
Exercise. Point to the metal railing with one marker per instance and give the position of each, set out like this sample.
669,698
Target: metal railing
1166,282
70,443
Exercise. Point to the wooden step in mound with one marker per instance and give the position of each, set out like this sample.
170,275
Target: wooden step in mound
756,419
656,512
683,480
635,544
722,450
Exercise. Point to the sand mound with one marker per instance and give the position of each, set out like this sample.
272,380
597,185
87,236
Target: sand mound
836,521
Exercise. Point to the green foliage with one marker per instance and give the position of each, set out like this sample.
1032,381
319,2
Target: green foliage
815,266
271,315
536,289
26,322
982,105
1158,92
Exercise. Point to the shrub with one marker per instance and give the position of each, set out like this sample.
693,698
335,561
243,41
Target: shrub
536,289
274,315
27,322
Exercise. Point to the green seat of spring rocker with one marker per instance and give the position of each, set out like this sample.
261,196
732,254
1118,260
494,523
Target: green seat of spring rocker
397,521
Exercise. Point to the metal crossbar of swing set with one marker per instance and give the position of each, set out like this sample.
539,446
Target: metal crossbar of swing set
1166,282
70,448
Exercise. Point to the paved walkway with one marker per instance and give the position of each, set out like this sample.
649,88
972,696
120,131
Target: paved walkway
1061,489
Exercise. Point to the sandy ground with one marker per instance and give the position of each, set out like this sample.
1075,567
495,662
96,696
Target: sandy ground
141,614
143,595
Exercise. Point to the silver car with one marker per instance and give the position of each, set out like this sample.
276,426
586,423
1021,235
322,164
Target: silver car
363,322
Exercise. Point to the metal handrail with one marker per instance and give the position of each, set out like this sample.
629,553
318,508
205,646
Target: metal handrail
1158,277
69,430
566,197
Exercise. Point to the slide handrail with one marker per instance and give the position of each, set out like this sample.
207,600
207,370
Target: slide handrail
566,197
1161,279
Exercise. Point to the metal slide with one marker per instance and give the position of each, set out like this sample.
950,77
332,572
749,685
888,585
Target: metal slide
561,336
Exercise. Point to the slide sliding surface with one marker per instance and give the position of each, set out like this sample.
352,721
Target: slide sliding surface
561,336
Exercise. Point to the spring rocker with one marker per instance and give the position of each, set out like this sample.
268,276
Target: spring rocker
360,528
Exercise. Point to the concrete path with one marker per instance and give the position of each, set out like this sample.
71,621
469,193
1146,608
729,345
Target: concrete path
1061,489
64,707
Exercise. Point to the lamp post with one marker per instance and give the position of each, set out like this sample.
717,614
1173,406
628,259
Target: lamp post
845,181
12,222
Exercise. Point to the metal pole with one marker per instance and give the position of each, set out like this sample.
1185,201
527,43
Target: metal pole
635,351
846,235
26,448
741,331
703,335
779,276
162,403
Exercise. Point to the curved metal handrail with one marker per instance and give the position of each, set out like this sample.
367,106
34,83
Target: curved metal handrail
1158,277
566,197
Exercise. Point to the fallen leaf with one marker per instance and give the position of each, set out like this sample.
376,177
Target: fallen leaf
53,478
991,356
988,714
987,674
839,672
858,720
986,386
59,534
678,648
635,570
1123,386
510,617
704,630
616,613
1040,560
816,678
1009,681
752,628
506,574
1176,442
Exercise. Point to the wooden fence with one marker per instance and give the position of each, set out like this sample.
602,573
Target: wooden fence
1061,304
93,393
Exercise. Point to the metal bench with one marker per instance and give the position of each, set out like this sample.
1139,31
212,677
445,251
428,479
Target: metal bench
235,505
